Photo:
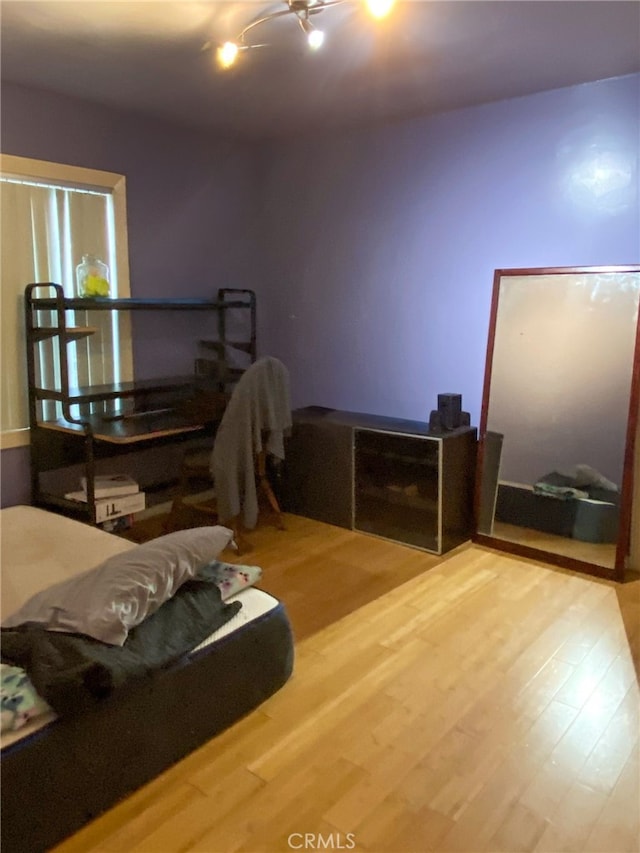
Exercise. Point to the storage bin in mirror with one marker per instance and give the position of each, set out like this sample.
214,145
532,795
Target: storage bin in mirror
559,416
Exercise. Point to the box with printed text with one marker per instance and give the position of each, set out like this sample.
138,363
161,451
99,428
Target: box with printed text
107,508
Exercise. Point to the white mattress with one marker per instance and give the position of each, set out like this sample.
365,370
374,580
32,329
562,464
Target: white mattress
36,539
40,548
255,603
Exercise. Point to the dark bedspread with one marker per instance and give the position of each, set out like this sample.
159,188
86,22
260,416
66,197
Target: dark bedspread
73,672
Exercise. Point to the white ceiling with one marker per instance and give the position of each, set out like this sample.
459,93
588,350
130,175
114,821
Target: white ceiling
429,56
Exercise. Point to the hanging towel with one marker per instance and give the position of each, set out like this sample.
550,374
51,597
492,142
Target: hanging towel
260,406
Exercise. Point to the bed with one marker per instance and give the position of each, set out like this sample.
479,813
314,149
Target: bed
59,772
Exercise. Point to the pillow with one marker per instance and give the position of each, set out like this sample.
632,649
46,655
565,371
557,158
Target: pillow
230,579
107,601
18,698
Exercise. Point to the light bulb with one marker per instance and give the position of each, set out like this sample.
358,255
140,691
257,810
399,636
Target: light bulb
227,54
380,8
315,39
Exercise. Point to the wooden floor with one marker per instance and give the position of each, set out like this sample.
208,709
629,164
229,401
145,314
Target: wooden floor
484,704
321,572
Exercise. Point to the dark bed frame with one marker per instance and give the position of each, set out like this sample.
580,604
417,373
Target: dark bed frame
74,769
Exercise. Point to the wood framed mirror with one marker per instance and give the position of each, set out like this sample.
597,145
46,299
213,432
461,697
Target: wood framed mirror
559,416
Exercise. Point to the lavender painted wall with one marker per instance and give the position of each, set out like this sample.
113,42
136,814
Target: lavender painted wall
375,249
191,218
14,483
382,244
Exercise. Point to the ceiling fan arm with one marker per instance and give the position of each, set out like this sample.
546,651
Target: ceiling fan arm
295,7
259,21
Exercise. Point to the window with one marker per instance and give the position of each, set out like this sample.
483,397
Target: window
52,215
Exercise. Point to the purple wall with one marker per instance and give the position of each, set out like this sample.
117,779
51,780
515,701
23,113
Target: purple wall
190,194
375,250
382,244
192,226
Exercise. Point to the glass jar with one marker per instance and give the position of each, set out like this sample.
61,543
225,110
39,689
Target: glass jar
92,277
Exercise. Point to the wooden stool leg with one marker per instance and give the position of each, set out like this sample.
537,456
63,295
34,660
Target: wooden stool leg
265,485
243,545
171,523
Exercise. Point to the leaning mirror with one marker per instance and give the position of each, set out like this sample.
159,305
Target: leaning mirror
559,414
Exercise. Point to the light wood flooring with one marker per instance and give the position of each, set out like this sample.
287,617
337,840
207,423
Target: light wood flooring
486,703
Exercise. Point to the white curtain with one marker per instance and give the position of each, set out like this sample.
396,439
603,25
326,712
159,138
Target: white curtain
45,232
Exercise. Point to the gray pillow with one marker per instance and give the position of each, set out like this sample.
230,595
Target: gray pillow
107,601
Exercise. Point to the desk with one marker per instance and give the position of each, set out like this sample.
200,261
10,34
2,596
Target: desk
127,430
191,407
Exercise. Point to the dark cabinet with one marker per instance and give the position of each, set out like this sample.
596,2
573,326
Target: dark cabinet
384,476
319,468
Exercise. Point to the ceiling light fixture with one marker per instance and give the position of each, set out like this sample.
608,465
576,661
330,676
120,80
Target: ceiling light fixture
315,38
227,53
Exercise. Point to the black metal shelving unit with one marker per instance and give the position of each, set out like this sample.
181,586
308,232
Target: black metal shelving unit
157,411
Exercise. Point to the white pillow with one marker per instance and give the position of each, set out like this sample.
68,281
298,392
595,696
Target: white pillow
107,601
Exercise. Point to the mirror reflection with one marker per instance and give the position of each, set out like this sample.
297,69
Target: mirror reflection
556,410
